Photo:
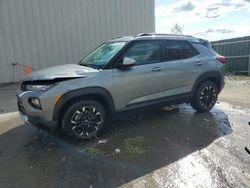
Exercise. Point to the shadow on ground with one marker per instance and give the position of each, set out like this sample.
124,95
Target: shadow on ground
138,142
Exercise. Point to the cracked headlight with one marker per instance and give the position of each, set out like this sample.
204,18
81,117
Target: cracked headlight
37,87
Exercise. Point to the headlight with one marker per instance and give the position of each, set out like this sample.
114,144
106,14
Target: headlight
31,87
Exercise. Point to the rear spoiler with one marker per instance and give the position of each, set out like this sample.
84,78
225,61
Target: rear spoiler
203,42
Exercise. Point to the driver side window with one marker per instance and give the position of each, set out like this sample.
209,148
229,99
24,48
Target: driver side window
144,52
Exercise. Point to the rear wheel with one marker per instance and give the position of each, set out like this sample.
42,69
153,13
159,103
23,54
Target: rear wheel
84,119
205,97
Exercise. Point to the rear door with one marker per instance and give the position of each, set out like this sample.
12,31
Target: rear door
145,80
182,66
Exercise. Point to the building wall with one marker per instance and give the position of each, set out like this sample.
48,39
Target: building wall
43,33
237,52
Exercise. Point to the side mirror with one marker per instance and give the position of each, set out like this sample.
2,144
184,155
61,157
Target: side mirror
127,62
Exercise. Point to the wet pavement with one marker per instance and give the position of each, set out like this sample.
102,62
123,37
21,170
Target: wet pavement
171,147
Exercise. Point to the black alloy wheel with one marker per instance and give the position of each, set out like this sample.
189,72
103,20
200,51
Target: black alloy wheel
84,119
205,97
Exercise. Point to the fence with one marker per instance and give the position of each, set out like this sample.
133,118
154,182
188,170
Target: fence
237,52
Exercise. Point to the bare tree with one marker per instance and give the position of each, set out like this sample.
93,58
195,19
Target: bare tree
177,29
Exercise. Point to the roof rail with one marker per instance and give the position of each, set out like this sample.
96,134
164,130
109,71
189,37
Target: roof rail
160,34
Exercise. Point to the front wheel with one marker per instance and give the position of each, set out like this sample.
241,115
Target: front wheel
84,119
205,97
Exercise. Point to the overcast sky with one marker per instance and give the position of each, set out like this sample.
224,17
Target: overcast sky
208,19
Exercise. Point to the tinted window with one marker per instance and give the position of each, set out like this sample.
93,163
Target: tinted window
177,50
144,52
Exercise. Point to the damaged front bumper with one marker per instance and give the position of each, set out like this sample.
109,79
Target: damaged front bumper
31,115
37,121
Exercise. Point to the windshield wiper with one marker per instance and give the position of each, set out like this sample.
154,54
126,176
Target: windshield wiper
85,65
88,65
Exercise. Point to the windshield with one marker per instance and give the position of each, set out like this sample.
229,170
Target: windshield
100,56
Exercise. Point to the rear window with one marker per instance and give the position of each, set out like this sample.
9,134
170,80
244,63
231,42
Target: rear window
177,50
204,49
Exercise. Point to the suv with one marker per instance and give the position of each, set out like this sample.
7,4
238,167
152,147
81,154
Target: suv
122,74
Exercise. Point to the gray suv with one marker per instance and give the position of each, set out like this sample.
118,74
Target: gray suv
122,74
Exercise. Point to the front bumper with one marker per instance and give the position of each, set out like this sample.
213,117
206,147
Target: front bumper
37,121
31,115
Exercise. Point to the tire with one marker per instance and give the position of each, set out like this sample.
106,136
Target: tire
205,97
84,119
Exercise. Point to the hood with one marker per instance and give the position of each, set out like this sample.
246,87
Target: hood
61,71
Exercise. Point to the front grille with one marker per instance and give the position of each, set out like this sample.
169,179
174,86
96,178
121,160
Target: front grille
20,106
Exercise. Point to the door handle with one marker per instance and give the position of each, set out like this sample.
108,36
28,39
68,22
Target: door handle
198,64
157,69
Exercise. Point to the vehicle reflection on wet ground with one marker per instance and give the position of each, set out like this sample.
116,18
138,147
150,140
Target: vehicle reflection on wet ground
145,148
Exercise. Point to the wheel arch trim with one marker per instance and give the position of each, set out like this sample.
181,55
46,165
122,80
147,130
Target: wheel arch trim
206,76
88,91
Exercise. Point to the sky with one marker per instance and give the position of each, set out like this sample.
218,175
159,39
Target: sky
208,19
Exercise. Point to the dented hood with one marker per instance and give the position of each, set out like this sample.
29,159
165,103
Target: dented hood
61,71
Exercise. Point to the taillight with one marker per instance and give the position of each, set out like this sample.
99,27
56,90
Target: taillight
222,59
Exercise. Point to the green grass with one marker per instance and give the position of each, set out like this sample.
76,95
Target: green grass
134,145
93,150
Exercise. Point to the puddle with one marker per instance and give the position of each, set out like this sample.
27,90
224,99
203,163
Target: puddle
137,143
139,136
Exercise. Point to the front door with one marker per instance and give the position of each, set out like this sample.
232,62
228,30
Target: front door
142,82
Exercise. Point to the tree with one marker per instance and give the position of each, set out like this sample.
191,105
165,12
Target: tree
177,29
